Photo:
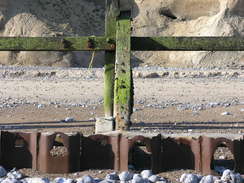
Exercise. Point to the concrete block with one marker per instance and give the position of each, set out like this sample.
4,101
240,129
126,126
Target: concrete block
104,125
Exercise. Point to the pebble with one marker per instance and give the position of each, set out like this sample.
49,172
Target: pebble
222,157
125,176
238,178
96,180
137,178
213,104
146,174
208,179
36,180
229,177
154,178
162,181
14,175
189,178
8,180
63,180
242,110
104,181
85,179
39,106
112,177
227,105
3,172
225,113
69,119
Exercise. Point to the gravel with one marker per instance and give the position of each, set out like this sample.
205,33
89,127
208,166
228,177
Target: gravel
144,176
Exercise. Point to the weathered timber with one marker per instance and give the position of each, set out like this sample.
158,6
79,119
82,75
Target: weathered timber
108,43
123,99
112,12
56,43
187,43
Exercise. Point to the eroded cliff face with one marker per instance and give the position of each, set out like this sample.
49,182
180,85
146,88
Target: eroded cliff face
191,18
50,18
151,18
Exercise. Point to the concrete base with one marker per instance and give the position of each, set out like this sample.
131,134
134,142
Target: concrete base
104,125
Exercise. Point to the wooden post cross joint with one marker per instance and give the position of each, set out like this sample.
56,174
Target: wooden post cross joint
118,91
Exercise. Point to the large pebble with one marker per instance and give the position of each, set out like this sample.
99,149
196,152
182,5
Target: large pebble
36,180
208,179
125,176
162,180
104,181
3,172
189,178
228,176
238,178
14,175
8,180
137,178
112,177
154,178
146,174
69,119
63,180
218,181
85,179
96,180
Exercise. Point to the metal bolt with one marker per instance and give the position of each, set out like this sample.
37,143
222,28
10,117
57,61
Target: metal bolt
90,43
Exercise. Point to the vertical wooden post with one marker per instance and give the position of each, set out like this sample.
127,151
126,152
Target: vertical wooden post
112,12
123,91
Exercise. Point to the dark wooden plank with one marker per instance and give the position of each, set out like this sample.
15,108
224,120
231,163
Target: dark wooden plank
112,12
187,43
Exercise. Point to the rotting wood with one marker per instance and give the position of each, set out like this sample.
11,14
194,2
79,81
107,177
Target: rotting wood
187,43
112,11
56,44
123,99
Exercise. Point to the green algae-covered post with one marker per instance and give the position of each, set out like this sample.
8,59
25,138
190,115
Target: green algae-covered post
112,11
123,88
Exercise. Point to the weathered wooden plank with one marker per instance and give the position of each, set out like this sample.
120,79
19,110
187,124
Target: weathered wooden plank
56,44
112,12
123,99
187,43
108,43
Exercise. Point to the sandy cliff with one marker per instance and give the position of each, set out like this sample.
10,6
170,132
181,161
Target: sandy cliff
151,18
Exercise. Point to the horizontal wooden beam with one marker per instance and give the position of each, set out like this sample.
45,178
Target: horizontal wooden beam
109,44
56,43
187,43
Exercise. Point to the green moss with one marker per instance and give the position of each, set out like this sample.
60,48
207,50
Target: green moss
53,44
